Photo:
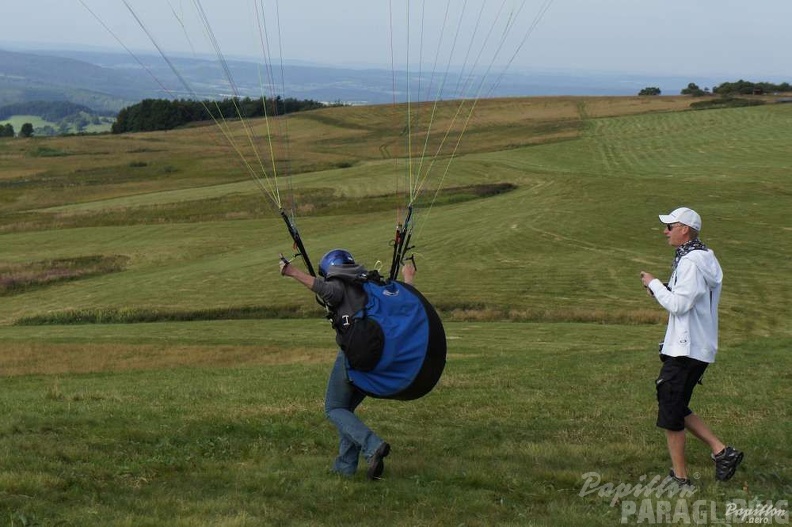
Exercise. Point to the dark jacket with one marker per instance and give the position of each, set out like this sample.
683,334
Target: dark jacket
343,297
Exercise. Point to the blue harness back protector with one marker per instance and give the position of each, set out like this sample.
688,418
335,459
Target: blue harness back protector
412,342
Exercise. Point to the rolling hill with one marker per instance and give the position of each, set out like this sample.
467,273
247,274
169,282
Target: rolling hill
571,161
157,369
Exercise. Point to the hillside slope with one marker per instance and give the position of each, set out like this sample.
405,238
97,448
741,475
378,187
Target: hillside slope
589,176
32,77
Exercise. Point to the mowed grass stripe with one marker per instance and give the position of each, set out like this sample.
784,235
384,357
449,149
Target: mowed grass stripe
740,139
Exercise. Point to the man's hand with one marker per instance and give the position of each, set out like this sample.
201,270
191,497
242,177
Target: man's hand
284,265
646,278
408,272
292,271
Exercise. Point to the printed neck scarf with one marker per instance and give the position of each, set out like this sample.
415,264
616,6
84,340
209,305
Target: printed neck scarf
682,250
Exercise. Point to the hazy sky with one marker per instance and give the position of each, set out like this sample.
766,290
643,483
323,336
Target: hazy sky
728,38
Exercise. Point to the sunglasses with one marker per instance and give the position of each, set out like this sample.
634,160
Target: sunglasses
670,226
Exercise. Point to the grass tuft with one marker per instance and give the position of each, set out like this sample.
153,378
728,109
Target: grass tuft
46,151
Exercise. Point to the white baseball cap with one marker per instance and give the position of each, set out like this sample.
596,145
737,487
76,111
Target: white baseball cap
683,215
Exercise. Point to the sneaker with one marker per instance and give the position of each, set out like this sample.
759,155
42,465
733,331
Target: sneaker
680,482
726,463
376,465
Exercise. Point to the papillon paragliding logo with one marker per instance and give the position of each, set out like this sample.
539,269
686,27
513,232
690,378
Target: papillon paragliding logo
471,52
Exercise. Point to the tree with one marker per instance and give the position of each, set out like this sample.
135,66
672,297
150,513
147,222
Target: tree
7,130
650,90
26,130
160,114
693,89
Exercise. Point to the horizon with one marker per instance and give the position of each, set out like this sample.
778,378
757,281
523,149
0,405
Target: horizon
50,48
637,80
669,39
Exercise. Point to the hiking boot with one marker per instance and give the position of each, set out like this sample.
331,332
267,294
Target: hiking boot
376,465
726,463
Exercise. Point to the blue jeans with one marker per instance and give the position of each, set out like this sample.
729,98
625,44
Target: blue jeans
354,436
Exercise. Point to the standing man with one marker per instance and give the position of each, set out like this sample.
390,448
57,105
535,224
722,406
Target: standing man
691,341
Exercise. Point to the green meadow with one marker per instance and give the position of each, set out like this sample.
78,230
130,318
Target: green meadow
102,125
18,120
157,370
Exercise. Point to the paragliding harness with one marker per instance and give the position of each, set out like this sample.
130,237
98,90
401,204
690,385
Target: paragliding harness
394,345
360,336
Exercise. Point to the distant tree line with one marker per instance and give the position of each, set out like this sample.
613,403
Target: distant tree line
727,89
742,87
162,114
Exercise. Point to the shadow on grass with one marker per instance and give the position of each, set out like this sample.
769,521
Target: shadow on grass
308,202
450,312
21,278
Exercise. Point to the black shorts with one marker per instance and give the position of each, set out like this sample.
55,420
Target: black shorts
678,377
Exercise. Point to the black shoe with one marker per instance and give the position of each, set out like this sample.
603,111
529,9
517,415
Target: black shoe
680,482
726,463
376,465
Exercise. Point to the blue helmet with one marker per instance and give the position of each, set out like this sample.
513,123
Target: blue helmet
334,257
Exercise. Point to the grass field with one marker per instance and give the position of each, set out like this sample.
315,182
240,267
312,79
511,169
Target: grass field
217,419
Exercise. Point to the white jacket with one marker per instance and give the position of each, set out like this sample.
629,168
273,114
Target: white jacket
692,305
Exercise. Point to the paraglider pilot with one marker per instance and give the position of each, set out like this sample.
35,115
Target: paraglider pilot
336,288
